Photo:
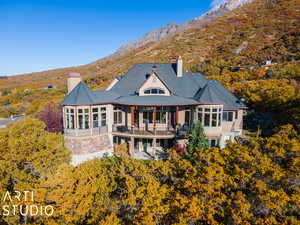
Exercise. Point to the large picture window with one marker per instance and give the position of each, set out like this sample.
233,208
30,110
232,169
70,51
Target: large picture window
210,116
83,118
70,118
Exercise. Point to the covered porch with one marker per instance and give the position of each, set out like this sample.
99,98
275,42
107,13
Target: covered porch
145,148
152,120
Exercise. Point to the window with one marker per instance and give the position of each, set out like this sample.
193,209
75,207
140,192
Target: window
228,116
154,91
117,115
210,117
213,142
187,117
200,115
219,117
148,117
161,115
103,116
70,118
83,119
95,115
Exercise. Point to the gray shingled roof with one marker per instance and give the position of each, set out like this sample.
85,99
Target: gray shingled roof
214,92
185,86
156,100
191,88
80,95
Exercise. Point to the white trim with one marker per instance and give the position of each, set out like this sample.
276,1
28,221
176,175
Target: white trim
112,84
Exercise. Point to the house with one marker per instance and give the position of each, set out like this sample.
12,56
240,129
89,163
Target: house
150,108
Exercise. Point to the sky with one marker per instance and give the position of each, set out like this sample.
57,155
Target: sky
38,35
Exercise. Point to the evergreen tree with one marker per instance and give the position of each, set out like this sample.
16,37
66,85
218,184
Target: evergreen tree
196,140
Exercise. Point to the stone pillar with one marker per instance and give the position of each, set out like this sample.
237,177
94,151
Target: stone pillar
73,80
179,66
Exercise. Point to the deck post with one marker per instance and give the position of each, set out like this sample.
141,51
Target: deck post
132,116
176,115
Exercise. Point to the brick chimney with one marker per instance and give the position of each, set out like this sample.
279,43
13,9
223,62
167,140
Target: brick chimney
179,67
73,80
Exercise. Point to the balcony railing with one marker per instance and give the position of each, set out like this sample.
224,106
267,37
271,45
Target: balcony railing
85,132
136,131
143,131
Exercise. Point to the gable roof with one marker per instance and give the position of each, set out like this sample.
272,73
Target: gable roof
159,78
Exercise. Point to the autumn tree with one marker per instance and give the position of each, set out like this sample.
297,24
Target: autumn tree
52,117
28,153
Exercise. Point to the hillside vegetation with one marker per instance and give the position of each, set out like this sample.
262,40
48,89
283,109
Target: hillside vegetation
256,182
253,184
259,31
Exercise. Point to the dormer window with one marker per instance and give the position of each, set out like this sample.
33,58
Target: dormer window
154,91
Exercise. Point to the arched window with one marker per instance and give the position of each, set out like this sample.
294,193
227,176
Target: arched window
154,91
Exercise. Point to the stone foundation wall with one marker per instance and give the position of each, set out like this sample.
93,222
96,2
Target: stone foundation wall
88,145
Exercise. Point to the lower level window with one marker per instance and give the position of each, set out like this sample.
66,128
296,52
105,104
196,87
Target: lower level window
213,142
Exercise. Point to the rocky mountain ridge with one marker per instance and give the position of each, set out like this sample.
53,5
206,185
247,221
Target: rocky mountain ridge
161,33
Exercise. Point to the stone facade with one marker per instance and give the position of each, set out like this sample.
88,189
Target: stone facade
87,145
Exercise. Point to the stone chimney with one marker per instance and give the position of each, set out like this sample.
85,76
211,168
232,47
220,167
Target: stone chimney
179,66
73,80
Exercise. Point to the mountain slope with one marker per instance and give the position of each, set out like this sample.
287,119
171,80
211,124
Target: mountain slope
259,31
159,34
268,28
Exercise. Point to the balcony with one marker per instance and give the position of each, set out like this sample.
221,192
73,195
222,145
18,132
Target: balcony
143,132
137,132
85,132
